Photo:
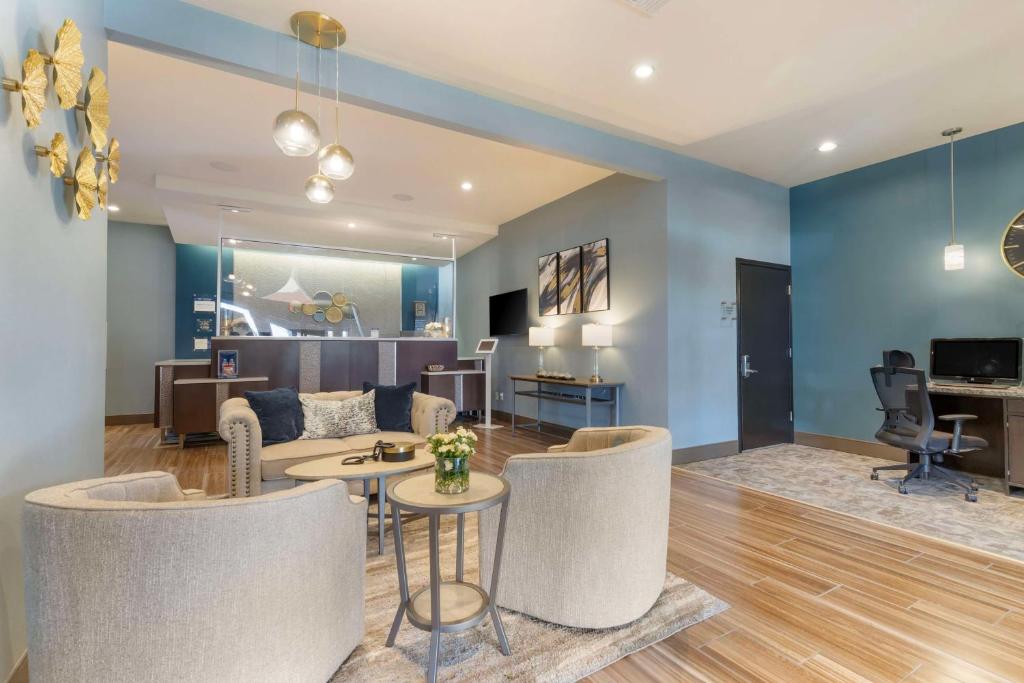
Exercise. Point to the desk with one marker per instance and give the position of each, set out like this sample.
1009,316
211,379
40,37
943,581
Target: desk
610,390
197,401
1000,412
464,387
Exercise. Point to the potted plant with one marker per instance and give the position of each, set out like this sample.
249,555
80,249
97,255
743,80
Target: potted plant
452,451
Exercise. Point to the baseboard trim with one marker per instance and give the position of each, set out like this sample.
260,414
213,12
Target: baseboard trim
114,420
707,451
548,427
846,445
19,674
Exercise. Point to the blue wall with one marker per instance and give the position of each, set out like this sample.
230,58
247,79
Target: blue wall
195,275
868,270
419,283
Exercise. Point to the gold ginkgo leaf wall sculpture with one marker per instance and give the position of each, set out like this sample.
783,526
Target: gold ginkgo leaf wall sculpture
57,152
68,60
32,88
112,159
97,107
85,183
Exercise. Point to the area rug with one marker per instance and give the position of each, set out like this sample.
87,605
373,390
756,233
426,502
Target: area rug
840,481
540,651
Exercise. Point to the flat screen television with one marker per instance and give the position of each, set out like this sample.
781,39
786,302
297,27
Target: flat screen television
508,313
976,361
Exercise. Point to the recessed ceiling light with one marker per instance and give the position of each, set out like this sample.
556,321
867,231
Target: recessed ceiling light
827,146
643,71
233,241
113,208
415,259
402,197
466,186
351,225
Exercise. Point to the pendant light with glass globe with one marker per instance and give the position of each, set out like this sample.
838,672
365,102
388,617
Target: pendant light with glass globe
335,160
295,131
319,188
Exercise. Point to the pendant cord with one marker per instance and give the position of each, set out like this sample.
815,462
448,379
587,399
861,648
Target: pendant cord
318,98
298,30
952,194
337,95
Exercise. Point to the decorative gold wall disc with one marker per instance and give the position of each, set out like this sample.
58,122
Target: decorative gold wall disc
308,309
112,158
334,314
57,152
318,30
67,61
32,88
102,186
97,108
339,299
85,183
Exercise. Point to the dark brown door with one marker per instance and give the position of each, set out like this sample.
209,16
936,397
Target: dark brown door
764,362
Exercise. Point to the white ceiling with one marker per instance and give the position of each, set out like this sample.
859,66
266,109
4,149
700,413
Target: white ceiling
753,86
174,118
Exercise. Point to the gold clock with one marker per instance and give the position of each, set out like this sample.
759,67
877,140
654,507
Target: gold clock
1012,247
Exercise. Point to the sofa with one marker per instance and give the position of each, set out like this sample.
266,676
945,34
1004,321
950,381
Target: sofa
586,538
132,579
254,469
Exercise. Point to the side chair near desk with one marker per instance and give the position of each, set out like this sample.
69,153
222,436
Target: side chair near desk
910,424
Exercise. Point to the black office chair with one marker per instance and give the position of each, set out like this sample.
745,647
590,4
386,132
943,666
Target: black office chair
910,424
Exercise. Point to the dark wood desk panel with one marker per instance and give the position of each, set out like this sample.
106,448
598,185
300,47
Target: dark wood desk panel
990,426
277,359
414,355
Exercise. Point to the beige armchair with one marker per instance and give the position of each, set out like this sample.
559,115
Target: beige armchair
586,538
254,469
131,579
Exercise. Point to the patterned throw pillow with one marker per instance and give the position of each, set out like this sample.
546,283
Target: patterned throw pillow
338,419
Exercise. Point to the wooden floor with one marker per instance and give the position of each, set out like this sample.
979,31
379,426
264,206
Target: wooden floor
815,595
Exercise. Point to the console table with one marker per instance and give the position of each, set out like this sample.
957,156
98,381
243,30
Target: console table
609,395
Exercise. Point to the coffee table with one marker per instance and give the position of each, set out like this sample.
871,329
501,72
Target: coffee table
331,468
447,606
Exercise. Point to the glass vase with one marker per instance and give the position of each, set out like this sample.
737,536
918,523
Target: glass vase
451,475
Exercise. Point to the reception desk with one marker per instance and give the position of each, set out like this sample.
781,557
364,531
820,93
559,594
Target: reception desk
308,364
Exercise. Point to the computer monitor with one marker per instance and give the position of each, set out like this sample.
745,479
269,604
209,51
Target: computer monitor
976,361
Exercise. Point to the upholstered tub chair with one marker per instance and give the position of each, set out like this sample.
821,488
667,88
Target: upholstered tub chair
254,469
131,579
586,538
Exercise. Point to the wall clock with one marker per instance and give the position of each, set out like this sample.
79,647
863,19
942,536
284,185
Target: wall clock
1012,247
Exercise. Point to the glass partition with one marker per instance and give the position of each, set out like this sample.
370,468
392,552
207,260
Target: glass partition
286,290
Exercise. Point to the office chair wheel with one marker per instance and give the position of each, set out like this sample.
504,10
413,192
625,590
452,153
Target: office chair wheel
874,476
971,497
903,489
974,486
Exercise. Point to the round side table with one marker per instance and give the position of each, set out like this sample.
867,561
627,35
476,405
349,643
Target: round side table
447,606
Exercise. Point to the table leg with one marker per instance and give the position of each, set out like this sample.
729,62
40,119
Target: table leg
381,499
617,407
492,595
587,399
513,406
435,599
403,582
460,547
539,401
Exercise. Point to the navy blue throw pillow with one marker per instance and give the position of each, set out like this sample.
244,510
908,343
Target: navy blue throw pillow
393,406
279,413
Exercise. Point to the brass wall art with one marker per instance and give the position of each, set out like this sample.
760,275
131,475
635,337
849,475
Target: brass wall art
67,60
57,152
85,183
32,88
97,108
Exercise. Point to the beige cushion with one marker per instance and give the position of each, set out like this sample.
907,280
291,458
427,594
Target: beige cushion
277,458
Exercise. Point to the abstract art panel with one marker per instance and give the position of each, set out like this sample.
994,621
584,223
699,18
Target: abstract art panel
569,299
547,269
596,296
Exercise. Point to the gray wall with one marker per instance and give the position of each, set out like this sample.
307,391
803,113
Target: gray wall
53,296
140,302
631,213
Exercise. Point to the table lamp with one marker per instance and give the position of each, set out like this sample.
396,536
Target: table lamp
541,337
597,336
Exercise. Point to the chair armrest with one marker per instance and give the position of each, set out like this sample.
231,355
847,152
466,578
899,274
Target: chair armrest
558,448
194,494
957,417
431,414
240,427
958,420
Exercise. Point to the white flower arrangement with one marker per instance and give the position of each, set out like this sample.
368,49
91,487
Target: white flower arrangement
458,444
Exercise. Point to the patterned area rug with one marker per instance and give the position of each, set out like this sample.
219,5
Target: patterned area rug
840,481
540,651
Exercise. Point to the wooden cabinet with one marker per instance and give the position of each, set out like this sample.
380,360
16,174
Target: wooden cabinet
1015,443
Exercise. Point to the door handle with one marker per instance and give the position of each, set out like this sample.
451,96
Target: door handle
745,369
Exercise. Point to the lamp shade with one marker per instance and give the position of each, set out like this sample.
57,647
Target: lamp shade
542,336
597,335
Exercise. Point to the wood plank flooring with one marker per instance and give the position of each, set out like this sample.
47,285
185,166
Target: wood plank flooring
815,595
